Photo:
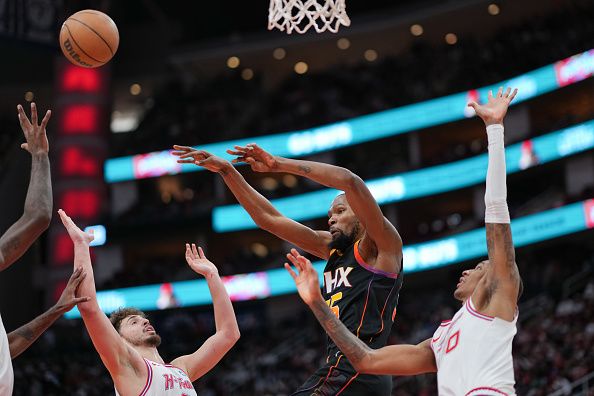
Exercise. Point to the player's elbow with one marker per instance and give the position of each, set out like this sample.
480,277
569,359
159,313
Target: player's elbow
40,220
363,364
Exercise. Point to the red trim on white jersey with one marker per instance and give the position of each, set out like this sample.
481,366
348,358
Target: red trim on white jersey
149,378
485,388
470,307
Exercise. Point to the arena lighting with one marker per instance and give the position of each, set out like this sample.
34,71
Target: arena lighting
100,234
80,119
425,181
80,79
233,62
469,245
365,128
29,96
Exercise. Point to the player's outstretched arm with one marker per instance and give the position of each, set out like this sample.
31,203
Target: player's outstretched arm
38,204
259,208
383,236
22,338
227,332
503,275
114,352
392,360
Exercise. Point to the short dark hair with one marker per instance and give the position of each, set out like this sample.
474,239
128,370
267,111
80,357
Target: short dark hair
120,314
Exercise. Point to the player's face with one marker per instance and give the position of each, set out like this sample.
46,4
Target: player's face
469,280
344,225
138,331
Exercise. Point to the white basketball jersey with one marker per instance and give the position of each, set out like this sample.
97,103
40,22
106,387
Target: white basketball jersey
473,353
6,374
166,380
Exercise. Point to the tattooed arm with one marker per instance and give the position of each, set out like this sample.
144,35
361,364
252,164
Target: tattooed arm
38,204
392,359
499,289
22,338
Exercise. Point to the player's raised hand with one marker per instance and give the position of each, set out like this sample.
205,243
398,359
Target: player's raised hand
189,155
35,134
68,298
198,261
76,234
257,158
308,284
494,111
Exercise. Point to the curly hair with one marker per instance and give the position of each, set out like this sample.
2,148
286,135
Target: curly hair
118,315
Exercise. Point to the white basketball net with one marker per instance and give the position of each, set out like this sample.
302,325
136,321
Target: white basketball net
300,15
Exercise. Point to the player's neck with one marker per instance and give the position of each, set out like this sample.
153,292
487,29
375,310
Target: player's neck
150,353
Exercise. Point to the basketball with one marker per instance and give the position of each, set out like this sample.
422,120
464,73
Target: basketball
89,38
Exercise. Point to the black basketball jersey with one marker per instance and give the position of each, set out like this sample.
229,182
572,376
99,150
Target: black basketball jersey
363,298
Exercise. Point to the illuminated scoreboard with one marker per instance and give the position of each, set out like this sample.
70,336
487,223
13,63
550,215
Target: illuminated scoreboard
78,149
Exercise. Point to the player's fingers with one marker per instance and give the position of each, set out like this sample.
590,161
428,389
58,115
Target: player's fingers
500,92
295,262
46,119
507,92
235,152
188,250
183,148
78,300
490,95
201,252
291,272
186,161
194,250
241,148
23,120
513,95
25,146
33,113
473,104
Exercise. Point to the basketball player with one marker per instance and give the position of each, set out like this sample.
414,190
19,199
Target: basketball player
363,249
472,352
128,344
34,221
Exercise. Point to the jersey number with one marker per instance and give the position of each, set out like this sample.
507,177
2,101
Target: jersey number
333,299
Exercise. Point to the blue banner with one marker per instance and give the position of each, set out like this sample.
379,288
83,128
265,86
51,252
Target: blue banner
365,128
419,257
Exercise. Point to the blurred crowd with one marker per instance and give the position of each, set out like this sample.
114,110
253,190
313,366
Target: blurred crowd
551,350
228,107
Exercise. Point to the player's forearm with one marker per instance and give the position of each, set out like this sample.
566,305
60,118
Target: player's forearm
82,259
20,339
39,202
259,208
36,215
353,348
328,175
496,210
225,321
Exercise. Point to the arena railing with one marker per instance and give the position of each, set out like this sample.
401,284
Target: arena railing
365,128
457,248
422,182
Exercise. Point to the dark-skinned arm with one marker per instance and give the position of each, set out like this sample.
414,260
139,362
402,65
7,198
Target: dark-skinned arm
22,338
38,203
258,207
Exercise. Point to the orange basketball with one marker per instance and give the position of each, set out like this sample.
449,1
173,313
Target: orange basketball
89,38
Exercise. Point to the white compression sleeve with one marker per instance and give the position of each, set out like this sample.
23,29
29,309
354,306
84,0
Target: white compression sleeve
496,210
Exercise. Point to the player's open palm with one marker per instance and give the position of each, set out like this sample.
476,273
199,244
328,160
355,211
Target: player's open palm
76,234
308,284
35,134
198,261
257,158
494,111
189,155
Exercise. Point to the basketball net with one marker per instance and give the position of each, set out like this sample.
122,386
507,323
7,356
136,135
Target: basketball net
301,15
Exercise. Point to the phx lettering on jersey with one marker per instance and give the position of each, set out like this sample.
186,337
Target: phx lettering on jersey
340,278
174,382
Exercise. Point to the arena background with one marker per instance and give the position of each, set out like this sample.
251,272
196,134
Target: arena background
200,73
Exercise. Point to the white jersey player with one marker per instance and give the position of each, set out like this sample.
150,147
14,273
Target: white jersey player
128,345
471,352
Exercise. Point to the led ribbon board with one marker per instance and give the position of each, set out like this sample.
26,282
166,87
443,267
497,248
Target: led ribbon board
365,128
420,257
422,182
